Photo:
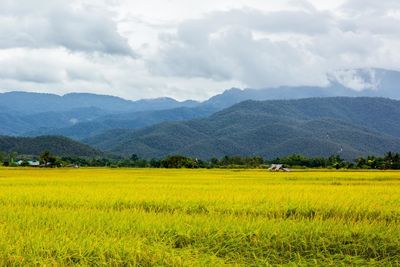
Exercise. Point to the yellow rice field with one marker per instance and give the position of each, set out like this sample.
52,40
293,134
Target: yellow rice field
157,217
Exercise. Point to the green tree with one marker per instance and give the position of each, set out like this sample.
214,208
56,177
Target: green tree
3,157
134,157
47,159
178,161
361,163
155,163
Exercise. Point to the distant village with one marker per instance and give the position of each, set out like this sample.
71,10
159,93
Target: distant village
283,164
37,163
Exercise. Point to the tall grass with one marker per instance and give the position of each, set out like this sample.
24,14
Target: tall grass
198,217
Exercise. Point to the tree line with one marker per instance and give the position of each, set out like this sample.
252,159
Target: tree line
389,161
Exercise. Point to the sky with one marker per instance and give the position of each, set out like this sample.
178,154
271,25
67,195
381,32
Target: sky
189,49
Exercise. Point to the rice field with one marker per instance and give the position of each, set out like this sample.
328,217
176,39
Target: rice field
157,217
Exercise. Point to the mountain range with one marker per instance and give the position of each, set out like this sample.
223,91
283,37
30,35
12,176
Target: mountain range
123,126
347,126
82,115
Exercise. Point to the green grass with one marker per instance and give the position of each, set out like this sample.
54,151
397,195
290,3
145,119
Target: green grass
157,217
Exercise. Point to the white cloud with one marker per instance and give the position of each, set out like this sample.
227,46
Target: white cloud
296,47
360,7
190,49
356,79
48,24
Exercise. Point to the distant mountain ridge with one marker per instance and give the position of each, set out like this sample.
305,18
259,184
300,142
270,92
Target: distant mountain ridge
79,115
132,120
351,127
28,103
368,82
83,115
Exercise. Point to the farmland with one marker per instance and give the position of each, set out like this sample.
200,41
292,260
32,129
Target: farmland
198,217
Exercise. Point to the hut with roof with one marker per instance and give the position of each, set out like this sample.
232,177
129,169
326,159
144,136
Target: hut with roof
278,167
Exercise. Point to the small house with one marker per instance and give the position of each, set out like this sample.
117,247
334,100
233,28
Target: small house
277,168
34,163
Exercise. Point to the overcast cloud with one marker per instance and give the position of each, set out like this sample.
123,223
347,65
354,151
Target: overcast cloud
190,49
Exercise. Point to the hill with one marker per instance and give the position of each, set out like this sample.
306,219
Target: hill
14,123
82,115
131,120
314,127
58,145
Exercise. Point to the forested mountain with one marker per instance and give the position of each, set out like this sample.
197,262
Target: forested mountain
58,145
13,123
132,120
350,127
82,115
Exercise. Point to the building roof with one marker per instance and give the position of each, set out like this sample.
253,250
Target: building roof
278,167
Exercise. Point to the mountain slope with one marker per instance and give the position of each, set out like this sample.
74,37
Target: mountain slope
82,115
33,114
132,120
58,145
13,123
314,127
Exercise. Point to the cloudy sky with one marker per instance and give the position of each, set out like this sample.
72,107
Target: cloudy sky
190,48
